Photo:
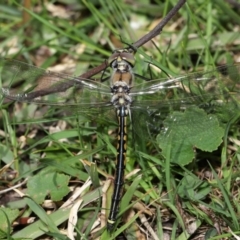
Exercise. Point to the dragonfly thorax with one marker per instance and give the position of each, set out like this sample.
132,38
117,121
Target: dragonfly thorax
122,61
120,91
123,73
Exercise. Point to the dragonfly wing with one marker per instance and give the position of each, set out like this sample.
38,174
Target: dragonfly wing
219,85
169,108
26,83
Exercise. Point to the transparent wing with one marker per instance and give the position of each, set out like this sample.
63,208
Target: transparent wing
188,111
27,83
219,85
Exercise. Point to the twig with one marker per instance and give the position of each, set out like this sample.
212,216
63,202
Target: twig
158,29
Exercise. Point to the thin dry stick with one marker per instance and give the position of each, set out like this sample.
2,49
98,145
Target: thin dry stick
158,29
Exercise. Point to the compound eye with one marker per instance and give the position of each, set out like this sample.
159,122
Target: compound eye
113,57
128,57
124,54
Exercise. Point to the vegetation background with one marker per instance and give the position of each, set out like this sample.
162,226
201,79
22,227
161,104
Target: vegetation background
199,200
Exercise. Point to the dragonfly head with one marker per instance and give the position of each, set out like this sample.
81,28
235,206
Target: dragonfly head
120,56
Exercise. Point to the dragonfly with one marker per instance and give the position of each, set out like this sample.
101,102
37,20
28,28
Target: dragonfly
218,86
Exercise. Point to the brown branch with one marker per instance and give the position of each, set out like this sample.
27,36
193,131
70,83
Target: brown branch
64,86
95,70
157,30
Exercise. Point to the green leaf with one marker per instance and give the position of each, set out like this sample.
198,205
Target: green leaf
47,223
184,131
48,183
45,218
193,188
6,154
212,232
11,215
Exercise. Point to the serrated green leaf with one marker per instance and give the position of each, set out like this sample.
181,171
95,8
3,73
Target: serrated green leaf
185,130
48,183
